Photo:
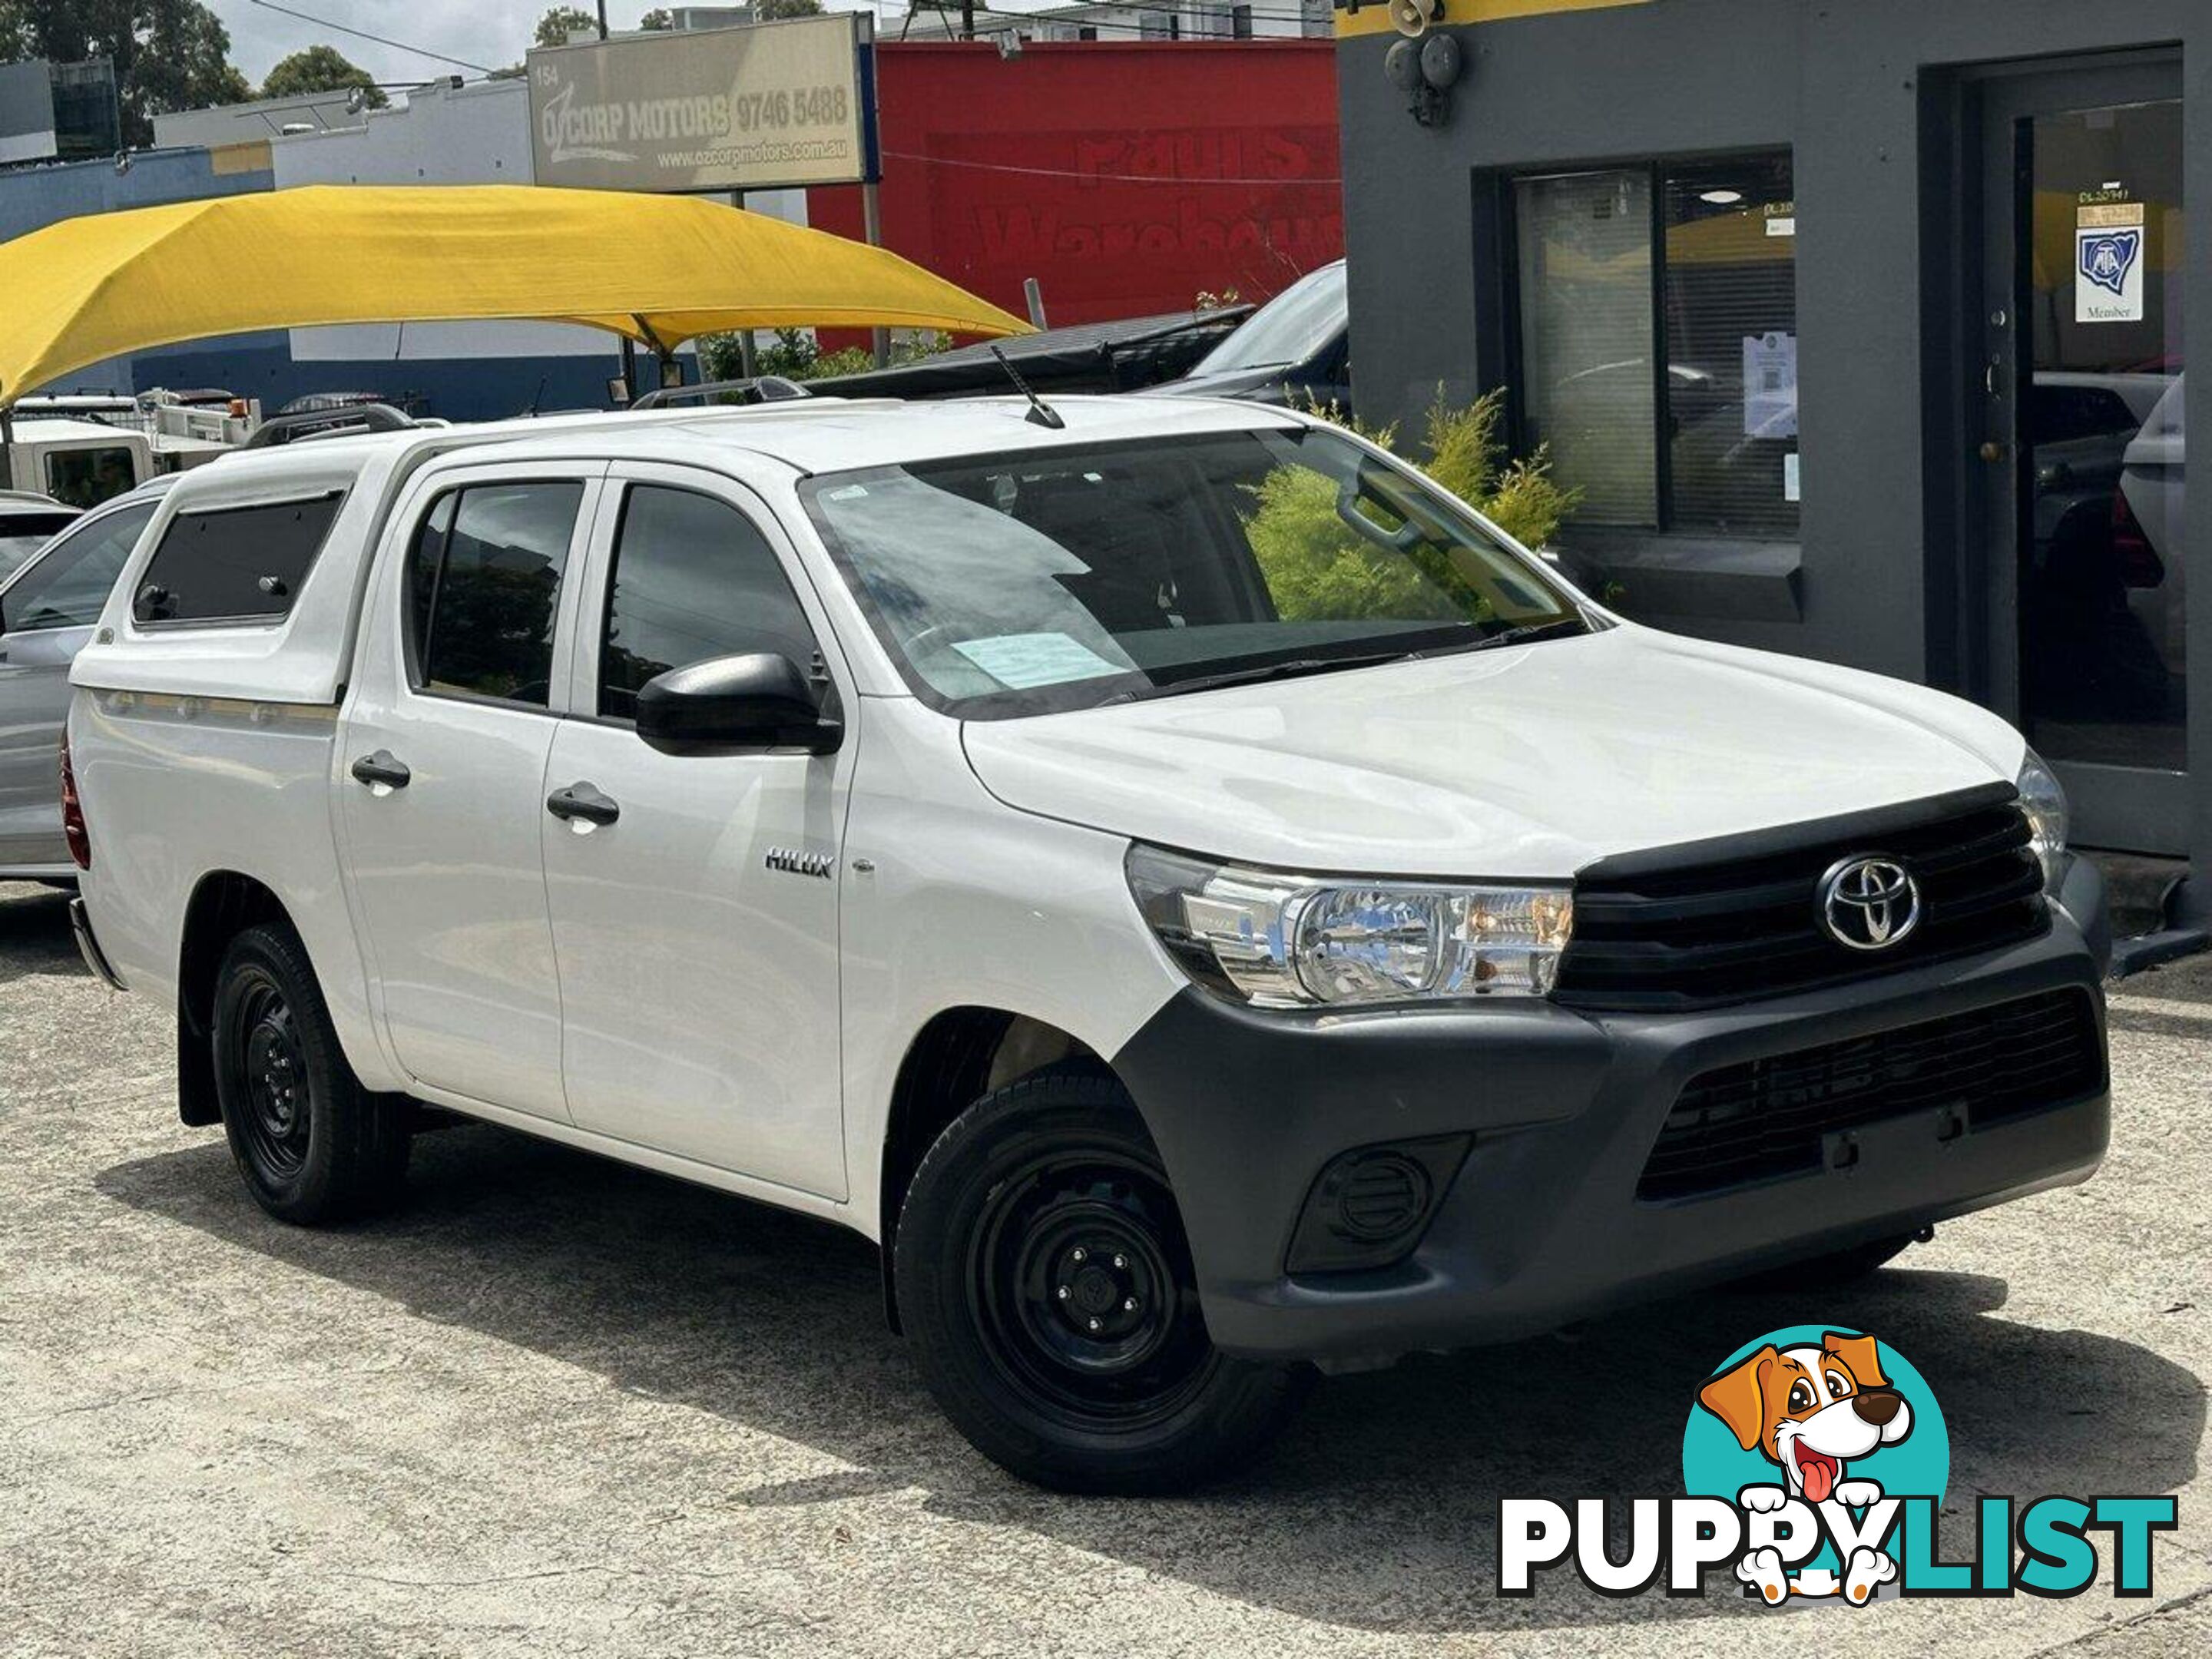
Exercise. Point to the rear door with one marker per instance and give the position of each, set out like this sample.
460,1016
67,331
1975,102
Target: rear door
46,614
442,778
699,985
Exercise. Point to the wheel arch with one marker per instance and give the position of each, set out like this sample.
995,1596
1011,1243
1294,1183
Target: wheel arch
224,904
959,1055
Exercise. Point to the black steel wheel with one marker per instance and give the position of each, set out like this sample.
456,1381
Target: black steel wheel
1043,1275
1084,1288
312,1145
270,1060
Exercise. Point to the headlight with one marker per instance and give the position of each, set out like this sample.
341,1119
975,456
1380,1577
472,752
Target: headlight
2043,802
1287,941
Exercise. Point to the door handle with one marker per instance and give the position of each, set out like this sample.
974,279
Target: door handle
379,771
583,807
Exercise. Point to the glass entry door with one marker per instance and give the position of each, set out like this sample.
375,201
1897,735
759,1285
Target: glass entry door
2082,384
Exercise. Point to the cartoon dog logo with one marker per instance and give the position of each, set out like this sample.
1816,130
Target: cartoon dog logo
1810,1411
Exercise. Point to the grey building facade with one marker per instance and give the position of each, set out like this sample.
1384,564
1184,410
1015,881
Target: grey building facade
1859,326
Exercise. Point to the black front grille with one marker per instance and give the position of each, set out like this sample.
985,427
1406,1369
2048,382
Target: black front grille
1767,1118
1699,934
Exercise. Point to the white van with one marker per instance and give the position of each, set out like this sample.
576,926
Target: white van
79,462
1210,905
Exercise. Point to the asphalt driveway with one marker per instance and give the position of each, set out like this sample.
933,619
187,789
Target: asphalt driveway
559,1406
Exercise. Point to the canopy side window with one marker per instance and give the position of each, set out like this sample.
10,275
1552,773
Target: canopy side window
244,564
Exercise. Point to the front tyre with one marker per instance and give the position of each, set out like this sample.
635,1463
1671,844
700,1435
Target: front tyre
314,1145
1044,1278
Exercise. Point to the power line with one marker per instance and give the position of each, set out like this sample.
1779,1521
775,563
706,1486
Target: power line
381,40
1102,178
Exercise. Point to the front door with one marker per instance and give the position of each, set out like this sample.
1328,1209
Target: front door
699,982
2079,394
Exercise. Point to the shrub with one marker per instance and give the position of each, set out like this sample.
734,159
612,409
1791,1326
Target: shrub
796,355
1316,567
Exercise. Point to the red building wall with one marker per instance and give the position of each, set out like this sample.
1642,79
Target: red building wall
1125,176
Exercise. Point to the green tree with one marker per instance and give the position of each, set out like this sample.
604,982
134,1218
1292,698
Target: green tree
1319,566
774,11
558,24
320,68
658,18
168,54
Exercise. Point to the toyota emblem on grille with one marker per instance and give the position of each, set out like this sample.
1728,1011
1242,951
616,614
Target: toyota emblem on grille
1869,904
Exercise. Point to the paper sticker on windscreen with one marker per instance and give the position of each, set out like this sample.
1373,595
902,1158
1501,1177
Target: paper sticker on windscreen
1023,661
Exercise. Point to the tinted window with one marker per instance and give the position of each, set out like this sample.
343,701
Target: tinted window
243,563
693,580
1671,404
484,587
86,478
69,586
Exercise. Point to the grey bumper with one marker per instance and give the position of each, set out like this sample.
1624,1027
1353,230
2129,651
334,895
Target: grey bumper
1542,1224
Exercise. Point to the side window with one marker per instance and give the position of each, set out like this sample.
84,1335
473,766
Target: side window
234,564
693,579
484,589
86,478
69,586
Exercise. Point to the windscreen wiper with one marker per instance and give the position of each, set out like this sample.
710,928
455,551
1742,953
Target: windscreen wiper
1559,628
1296,668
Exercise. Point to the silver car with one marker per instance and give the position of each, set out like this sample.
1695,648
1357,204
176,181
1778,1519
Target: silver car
27,523
48,608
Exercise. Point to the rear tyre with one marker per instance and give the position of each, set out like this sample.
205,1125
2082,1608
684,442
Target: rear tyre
314,1145
1044,1278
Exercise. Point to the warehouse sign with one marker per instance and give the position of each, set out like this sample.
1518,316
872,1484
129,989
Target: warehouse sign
755,107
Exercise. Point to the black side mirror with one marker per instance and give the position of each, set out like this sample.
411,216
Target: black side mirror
736,706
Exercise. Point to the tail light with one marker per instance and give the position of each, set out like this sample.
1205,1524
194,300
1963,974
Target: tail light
73,830
2138,561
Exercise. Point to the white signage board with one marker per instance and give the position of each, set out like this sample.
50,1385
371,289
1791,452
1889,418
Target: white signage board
754,107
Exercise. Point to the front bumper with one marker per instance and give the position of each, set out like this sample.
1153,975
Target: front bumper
1542,1225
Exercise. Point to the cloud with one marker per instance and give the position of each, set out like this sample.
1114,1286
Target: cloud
490,32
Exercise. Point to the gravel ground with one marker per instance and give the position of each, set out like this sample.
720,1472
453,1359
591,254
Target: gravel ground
558,1407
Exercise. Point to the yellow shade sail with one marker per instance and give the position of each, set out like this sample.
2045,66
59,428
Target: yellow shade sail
660,269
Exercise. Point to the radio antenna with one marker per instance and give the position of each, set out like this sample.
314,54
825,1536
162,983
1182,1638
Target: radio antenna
1041,412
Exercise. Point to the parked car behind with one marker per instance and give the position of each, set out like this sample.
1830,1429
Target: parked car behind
48,607
27,523
1127,354
1207,904
1296,348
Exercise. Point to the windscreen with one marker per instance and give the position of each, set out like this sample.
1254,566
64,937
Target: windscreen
22,534
1067,578
1291,328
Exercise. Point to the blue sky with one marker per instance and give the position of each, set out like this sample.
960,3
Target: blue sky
490,32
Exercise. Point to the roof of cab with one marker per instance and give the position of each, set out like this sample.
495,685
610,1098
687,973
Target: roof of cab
303,657
831,434
811,435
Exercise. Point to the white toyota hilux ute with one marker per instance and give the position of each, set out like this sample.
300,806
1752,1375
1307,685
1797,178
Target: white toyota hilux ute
1213,906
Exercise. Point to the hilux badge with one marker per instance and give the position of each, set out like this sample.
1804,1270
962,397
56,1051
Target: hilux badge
1869,904
799,864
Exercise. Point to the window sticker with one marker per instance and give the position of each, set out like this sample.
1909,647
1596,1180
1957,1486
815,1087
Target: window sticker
2108,263
1770,385
1022,662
